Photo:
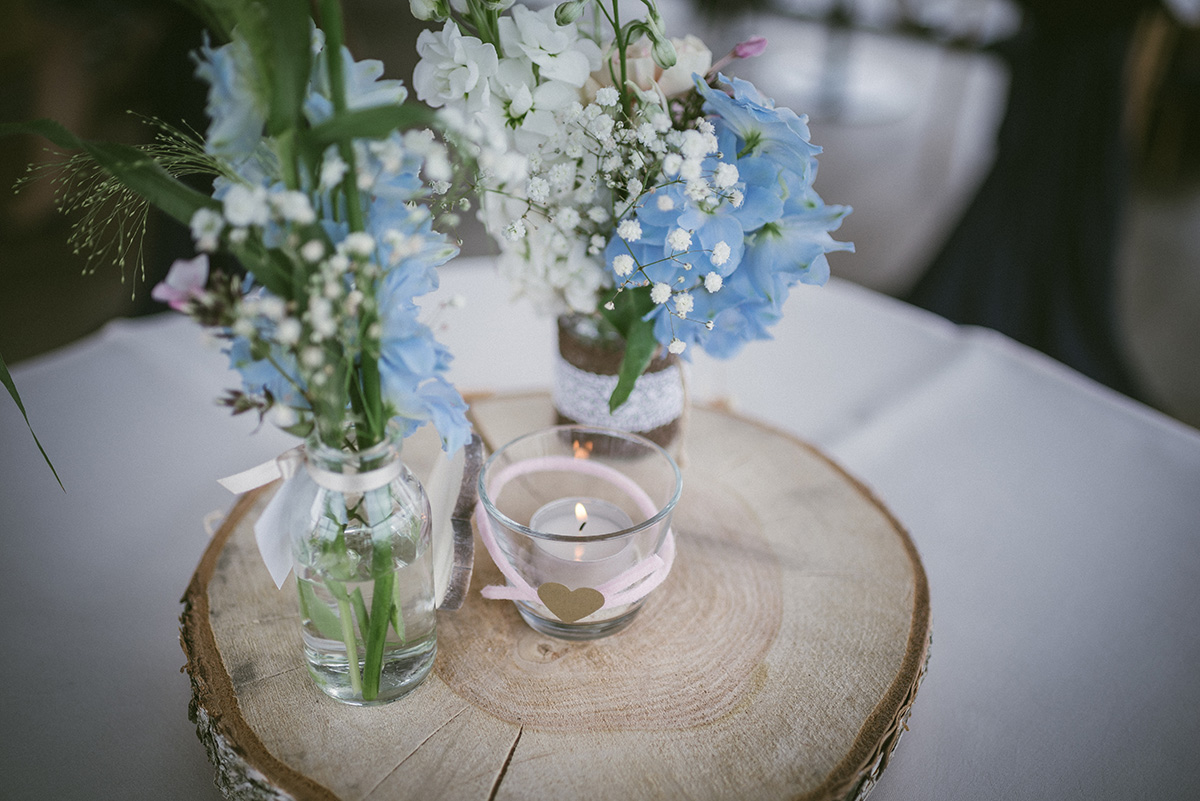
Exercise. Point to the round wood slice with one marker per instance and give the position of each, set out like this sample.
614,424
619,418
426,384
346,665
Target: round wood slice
780,659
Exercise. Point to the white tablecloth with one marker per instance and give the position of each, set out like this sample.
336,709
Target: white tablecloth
1059,524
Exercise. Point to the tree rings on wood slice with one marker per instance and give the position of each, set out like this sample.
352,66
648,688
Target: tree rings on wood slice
780,659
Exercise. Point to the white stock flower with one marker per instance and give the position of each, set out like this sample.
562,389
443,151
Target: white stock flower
423,9
559,52
660,293
454,69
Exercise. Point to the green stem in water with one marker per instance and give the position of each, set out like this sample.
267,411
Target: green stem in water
360,612
381,615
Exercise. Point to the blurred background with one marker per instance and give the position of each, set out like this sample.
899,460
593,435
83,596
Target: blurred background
1028,165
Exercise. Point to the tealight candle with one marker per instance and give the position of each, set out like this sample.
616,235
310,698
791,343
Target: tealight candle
586,563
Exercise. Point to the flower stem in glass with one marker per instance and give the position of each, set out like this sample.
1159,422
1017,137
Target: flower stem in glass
376,634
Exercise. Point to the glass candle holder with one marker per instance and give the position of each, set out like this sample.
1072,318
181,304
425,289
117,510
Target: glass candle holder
578,519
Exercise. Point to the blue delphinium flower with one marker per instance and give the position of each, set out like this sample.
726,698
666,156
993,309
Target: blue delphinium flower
236,111
278,374
365,84
412,362
763,130
378,272
748,244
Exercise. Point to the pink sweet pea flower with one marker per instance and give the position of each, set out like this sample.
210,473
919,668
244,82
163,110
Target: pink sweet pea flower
185,280
754,46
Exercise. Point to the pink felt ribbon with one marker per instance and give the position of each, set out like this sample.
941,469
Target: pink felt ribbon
630,586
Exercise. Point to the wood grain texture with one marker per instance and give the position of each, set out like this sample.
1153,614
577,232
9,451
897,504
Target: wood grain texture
779,659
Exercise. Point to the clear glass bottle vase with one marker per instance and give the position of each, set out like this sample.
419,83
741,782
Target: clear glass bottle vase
364,572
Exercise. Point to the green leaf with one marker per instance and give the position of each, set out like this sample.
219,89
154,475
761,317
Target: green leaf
323,618
131,166
6,379
271,268
375,122
627,316
640,345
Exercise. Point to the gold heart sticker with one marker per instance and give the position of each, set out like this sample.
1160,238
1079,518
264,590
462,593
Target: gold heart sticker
570,605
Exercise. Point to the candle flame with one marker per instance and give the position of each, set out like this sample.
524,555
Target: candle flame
580,513
579,551
582,450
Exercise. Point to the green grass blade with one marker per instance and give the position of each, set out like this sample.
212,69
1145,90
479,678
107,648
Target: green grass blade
6,379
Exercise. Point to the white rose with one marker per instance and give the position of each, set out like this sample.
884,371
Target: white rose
693,57
640,69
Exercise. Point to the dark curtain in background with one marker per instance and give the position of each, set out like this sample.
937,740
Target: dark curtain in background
1034,254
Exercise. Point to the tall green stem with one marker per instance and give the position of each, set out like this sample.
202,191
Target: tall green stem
381,616
331,23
